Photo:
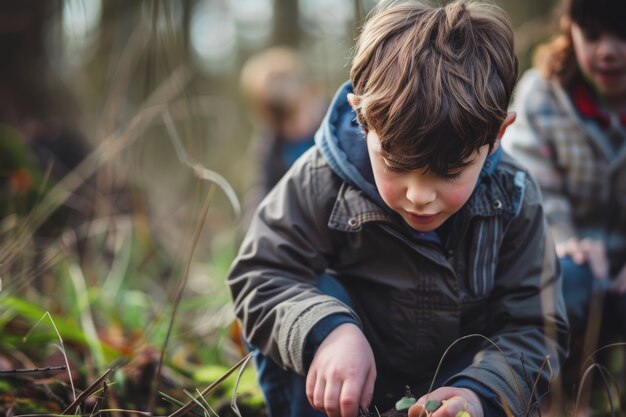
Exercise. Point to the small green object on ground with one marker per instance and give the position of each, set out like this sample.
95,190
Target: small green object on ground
432,405
462,413
404,403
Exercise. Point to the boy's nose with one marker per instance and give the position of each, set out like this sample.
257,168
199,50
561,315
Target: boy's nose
420,195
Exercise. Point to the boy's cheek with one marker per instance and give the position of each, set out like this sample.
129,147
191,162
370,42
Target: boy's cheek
389,193
456,197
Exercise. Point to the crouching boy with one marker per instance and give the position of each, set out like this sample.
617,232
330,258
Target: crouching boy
405,229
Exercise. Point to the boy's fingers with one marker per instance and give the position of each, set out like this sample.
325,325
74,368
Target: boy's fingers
331,398
417,410
350,399
318,394
368,389
453,406
310,385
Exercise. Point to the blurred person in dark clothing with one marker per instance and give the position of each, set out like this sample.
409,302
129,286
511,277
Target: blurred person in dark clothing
286,109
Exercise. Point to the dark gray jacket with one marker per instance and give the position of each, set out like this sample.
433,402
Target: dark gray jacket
495,273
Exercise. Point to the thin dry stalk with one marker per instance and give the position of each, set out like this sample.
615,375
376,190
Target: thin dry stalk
205,402
546,362
33,370
179,292
61,347
584,388
178,403
469,336
87,392
200,171
198,403
100,402
32,270
99,412
589,360
190,405
86,318
233,400
592,335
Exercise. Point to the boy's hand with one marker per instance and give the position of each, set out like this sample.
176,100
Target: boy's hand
586,250
453,401
342,373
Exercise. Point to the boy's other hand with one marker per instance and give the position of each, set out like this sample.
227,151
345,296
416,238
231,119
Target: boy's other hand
453,401
342,373
586,250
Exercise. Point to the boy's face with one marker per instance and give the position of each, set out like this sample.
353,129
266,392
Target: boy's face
424,199
601,57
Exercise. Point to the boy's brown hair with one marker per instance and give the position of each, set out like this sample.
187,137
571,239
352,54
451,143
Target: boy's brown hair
434,82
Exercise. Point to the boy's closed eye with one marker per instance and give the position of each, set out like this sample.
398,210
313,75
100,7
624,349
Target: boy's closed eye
449,176
395,169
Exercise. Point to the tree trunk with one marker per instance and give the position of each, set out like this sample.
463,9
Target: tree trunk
286,29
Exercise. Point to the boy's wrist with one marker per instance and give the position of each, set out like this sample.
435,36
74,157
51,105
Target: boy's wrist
320,331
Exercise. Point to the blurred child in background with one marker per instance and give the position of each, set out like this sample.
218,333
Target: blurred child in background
570,132
287,109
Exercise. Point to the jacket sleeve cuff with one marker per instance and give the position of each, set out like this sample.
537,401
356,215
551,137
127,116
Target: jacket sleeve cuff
500,389
297,324
488,399
319,332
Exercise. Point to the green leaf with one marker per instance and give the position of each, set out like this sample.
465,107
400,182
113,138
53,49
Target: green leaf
432,405
404,403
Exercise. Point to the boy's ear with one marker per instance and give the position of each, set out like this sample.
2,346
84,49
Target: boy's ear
510,118
352,100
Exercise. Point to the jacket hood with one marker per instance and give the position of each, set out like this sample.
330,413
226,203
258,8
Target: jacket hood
342,142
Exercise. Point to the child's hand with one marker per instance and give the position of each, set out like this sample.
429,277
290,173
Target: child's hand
619,285
453,401
586,250
342,374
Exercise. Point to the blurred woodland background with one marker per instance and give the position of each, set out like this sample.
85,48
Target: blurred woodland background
124,141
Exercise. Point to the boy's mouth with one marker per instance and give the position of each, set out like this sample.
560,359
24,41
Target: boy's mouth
422,218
